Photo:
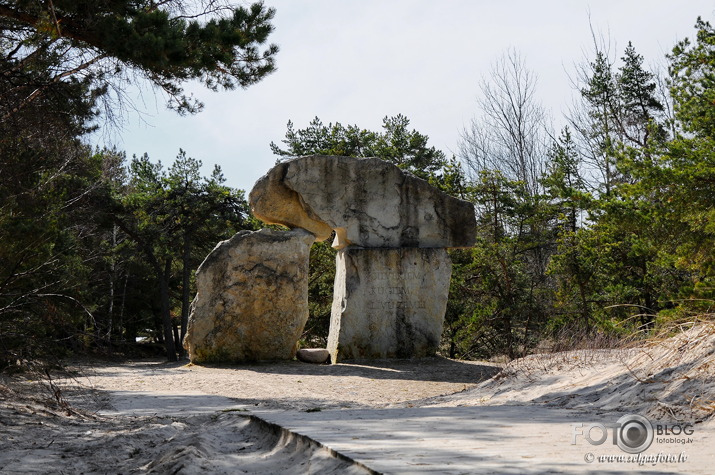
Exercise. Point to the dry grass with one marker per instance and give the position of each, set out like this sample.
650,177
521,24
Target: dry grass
684,365
669,376
568,349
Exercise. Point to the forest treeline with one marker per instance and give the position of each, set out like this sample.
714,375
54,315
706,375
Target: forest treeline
95,249
602,227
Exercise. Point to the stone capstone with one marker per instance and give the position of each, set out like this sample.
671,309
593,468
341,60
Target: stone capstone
252,298
388,303
367,201
313,355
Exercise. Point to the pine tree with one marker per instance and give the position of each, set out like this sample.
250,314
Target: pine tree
638,107
173,217
601,96
564,183
168,43
397,144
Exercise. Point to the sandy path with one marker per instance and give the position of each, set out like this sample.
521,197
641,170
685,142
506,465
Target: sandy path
293,384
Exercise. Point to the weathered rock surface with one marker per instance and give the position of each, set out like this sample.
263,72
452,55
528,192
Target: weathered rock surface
274,203
388,303
313,355
252,298
368,202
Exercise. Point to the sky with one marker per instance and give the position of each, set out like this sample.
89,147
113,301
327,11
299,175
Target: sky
358,61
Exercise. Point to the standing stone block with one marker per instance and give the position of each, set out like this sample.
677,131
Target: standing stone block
388,303
252,298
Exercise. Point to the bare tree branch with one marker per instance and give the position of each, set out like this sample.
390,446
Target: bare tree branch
509,134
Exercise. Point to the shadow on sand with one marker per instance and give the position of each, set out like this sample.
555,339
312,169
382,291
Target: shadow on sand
437,369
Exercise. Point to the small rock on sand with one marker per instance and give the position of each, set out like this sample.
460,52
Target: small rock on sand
313,355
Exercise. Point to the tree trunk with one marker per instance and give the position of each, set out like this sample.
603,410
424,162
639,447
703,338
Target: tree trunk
112,278
585,314
177,341
185,291
166,311
128,335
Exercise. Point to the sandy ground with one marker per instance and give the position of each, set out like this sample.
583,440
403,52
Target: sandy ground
225,443
296,385
156,417
670,379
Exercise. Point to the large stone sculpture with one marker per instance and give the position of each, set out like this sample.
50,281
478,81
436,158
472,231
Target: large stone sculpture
392,275
252,299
